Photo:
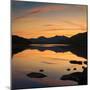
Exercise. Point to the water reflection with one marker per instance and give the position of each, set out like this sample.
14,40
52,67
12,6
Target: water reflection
80,51
49,65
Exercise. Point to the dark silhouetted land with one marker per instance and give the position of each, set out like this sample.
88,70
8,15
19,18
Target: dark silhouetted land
77,44
80,77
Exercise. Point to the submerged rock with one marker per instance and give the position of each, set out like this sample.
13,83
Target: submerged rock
74,68
85,62
76,62
68,69
36,75
41,70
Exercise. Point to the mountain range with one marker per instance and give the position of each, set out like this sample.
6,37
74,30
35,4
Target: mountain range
78,39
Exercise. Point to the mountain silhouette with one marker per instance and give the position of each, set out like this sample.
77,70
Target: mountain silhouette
77,44
76,40
16,40
19,44
79,40
51,40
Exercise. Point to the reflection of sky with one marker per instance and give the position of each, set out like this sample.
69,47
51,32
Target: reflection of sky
54,64
34,19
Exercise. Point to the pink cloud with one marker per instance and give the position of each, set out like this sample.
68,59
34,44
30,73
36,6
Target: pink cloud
39,10
45,9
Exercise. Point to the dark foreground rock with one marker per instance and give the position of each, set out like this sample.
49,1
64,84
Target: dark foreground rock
80,77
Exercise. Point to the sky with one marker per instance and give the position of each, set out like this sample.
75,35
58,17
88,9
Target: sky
36,19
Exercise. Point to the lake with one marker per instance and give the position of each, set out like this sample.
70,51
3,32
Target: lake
51,61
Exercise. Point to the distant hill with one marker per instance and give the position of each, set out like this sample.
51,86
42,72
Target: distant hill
16,40
79,39
52,40
78,43
19,44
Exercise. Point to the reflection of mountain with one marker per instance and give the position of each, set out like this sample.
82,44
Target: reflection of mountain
76,44
52,48
76,50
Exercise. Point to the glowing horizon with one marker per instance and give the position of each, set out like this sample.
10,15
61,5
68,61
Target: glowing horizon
32,20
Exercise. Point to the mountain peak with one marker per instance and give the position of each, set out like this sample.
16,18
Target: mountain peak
41,37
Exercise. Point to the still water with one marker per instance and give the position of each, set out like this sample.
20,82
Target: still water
48,62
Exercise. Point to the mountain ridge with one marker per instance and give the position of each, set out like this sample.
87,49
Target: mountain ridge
76,40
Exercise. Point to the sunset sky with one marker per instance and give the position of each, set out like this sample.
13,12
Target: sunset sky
35,19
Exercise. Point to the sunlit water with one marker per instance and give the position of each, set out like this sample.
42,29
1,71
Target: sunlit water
53,64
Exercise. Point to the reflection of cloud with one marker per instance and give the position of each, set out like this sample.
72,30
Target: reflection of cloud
48,25
53,29
46,8
59,59
40,9
48,63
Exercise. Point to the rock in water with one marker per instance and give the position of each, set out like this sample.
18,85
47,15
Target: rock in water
36,75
